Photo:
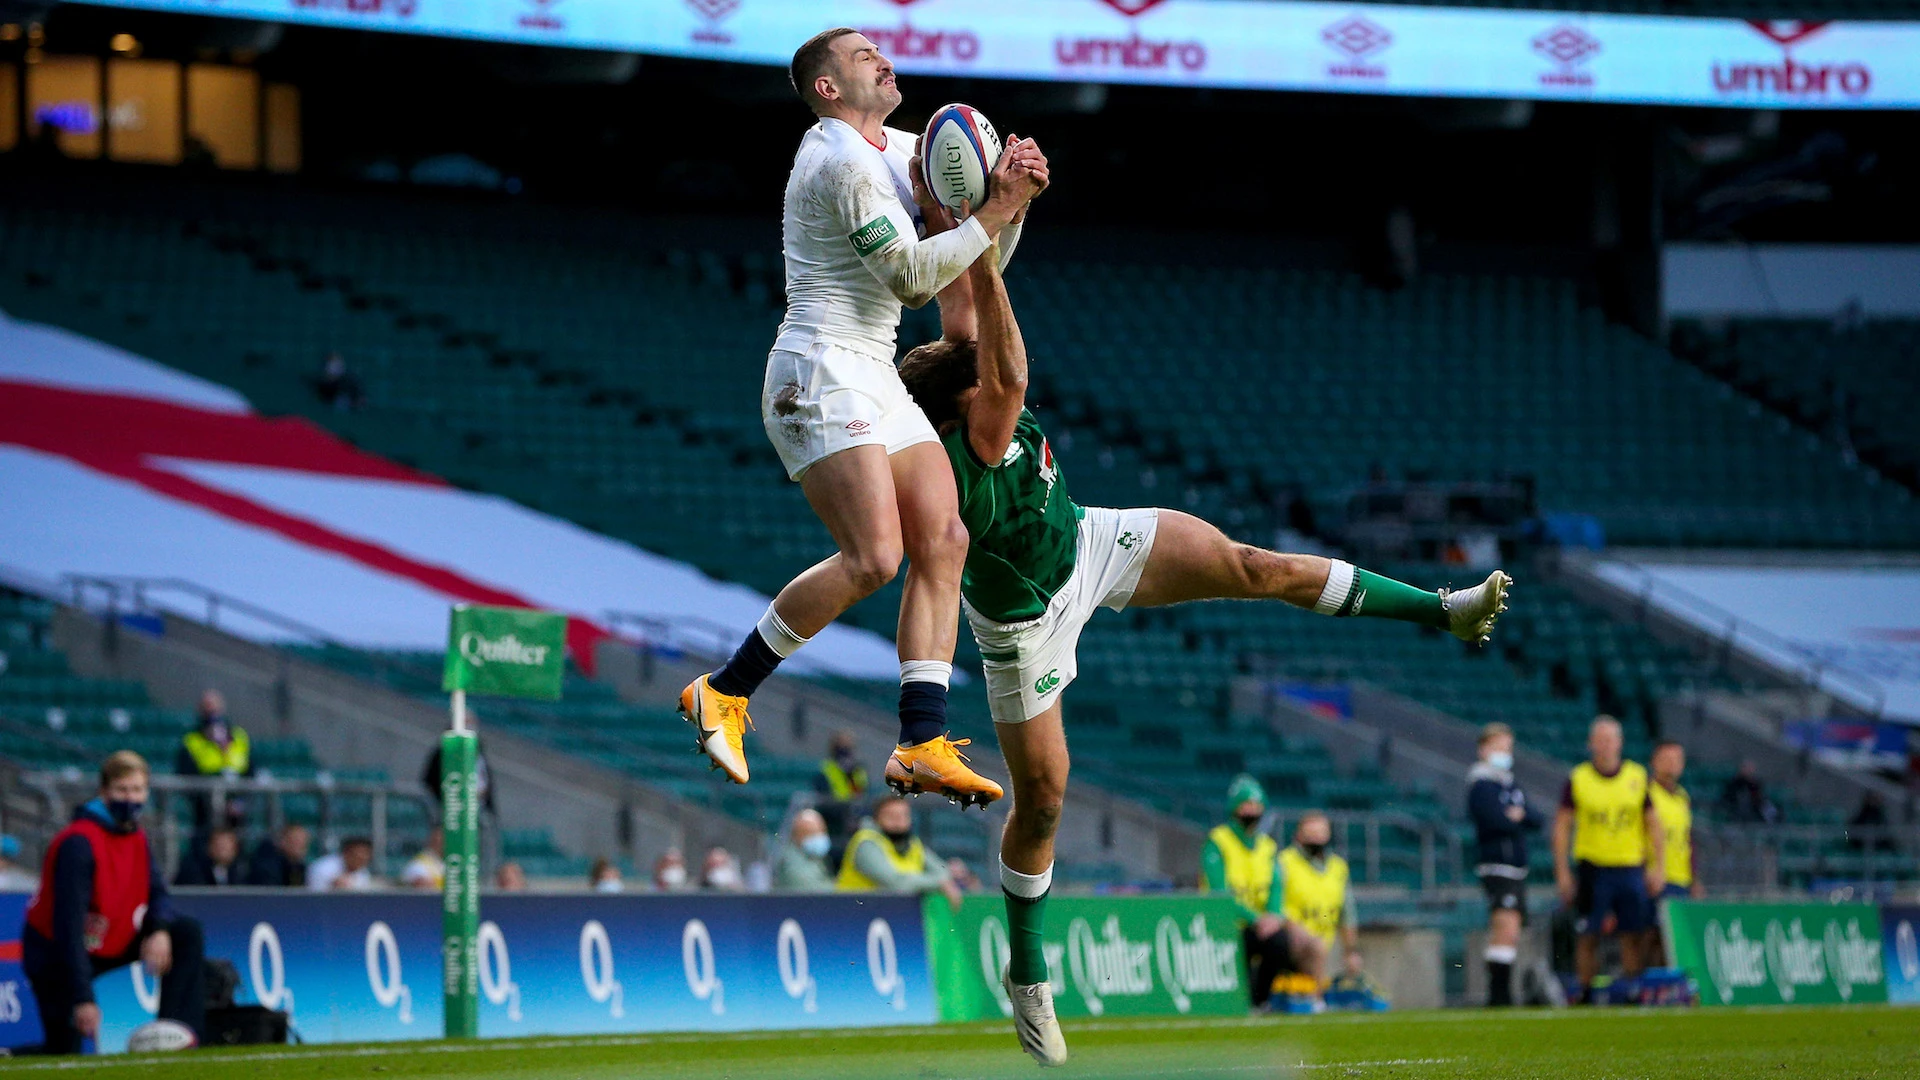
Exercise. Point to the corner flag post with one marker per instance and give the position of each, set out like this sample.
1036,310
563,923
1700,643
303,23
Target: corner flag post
506,652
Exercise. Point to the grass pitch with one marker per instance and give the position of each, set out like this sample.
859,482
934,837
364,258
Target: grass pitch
1708,1044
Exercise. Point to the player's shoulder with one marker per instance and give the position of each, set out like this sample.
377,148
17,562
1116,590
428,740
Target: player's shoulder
901,141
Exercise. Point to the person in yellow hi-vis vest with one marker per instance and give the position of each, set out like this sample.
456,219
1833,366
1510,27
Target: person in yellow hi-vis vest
1674,807
217,747
1244,862
884,855
1292,902
1607,826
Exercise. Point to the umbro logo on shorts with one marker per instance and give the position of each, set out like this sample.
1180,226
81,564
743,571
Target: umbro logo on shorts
859,427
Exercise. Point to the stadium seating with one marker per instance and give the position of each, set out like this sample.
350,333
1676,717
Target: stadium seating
1850,380
580,365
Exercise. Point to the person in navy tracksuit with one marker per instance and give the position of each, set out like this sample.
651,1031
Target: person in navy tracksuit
103,904
1501,819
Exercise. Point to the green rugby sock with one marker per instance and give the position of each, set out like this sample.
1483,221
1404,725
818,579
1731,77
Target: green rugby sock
1353,591
1028,963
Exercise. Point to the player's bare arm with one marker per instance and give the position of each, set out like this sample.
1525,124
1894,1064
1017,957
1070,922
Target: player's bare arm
1002,358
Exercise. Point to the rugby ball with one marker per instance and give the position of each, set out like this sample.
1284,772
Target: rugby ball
158,1035
957,155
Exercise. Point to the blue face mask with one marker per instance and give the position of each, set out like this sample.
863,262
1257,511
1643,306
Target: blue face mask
816,845
1501,759
125,814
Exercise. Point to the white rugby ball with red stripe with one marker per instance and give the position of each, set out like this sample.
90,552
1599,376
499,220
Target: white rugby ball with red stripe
160,1035
957,155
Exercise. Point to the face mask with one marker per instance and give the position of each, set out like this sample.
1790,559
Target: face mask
1500,759
817,845
608,884
1251,821
673,877
125,814
723,877
1313,851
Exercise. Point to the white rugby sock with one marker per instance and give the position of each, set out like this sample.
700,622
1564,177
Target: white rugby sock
933,671
1026,886
1339,583
779,638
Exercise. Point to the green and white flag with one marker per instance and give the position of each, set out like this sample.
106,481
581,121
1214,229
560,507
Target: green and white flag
506,652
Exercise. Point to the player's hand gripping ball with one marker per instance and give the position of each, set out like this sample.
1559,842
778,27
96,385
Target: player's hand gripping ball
957,155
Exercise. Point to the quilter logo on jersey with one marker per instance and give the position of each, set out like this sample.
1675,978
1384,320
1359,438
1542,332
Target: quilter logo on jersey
1569,47
1133,52
715,12
1788,77
1356,37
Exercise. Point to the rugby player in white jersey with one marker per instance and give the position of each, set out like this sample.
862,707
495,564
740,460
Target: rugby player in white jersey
845,428
1039,566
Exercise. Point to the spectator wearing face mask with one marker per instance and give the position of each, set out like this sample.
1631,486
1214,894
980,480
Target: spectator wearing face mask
1243,862
721,872
101,906
885,855
605,877
840,784
801,863
216,747
1501,821
670,871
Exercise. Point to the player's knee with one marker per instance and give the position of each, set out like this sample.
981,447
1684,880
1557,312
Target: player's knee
945,544
1037,805
870,571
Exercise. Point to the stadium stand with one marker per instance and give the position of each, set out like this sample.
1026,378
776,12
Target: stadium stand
1848,379
582,366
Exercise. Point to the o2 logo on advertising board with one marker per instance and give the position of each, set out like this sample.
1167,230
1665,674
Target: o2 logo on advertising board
383,971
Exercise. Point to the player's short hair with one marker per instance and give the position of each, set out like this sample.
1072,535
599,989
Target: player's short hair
1603,718
811,60
1664,743
357,841
1493,731
936,374
1313,815
121,764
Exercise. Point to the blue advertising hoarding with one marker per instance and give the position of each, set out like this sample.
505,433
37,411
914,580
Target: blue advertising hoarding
367,967
1900,932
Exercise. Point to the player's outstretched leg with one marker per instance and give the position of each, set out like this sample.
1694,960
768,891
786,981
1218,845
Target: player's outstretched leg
935,541
852,491
1036,754
1192,560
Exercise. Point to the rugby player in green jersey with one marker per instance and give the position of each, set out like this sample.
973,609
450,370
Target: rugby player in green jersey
1038,565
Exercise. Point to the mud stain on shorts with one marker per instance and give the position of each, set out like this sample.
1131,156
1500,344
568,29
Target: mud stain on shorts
787,401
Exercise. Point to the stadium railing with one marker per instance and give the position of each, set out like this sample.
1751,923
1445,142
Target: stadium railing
68,787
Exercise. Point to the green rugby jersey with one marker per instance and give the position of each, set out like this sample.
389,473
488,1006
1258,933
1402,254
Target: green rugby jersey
1022,523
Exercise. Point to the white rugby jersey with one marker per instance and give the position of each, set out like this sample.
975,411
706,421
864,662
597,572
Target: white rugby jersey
853,246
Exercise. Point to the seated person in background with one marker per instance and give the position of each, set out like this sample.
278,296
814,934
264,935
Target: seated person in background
101,906
604,877
282,861
428,867
884,855
219,864
841,785
1744,798
1316,898
800,865
721,872
1243,862
217,747
510,877
963,876
348,870
337,386
670,871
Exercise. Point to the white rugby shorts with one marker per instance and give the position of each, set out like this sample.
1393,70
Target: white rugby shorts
1029,663
828,399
